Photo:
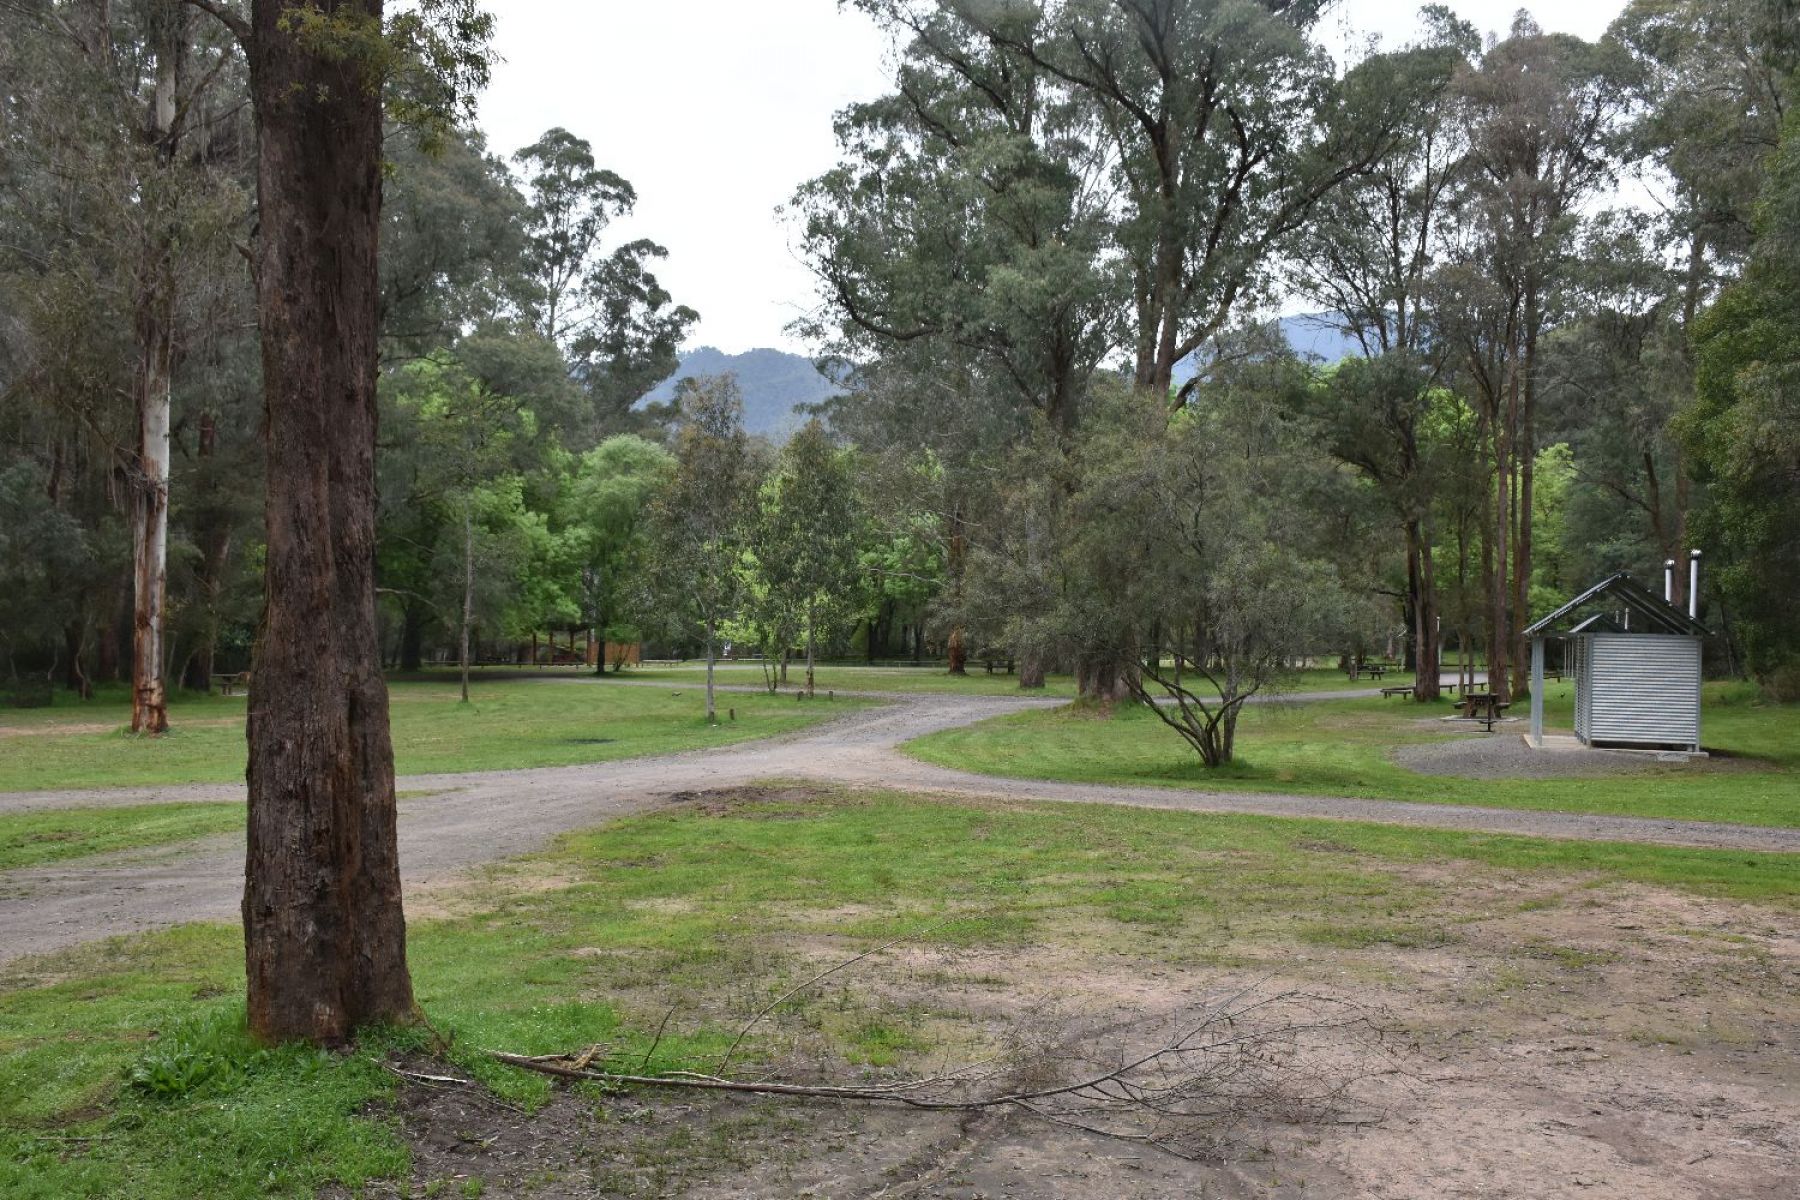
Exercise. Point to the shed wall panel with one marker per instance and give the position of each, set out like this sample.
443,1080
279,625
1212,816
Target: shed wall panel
1643,688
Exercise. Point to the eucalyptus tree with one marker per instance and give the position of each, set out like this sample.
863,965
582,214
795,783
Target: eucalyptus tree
1743,436
324,933
1366,254
1542,113
701,520
1615,376
607,510
1222,124
603,306
119,106
812,528
466,441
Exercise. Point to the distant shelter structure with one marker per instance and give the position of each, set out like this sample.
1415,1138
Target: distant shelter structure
1635,660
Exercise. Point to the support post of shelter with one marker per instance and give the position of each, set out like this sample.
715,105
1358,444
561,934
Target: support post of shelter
1537,692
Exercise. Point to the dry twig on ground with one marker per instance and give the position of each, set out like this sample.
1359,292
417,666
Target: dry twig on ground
1244,1057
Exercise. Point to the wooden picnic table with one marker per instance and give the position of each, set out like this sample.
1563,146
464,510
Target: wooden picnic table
228,682
1484,707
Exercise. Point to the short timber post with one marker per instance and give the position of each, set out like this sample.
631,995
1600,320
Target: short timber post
1537,692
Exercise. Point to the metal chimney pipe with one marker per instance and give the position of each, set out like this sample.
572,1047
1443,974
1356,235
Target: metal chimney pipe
1694,583
1668,581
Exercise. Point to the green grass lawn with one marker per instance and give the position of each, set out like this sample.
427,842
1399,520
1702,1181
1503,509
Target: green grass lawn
862,679
1341,749
976,682
31,839
509,723
125,1071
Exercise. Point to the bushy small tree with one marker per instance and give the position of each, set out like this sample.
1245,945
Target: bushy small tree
1209,510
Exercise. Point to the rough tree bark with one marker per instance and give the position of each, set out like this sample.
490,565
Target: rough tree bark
324,934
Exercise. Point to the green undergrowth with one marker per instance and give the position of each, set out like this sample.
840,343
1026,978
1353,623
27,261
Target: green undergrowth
1342,748
509,723
125,1069
31,839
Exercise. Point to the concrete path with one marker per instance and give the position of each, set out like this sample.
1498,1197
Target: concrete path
457,821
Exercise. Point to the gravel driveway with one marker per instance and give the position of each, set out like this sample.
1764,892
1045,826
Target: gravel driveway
455,821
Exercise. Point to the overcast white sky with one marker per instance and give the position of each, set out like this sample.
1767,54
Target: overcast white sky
716,110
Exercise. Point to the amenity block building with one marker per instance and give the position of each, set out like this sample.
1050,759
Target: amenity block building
1635,663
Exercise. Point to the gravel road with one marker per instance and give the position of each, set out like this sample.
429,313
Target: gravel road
455,821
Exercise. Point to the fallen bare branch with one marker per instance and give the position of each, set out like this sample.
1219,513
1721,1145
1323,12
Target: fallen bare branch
1240,1059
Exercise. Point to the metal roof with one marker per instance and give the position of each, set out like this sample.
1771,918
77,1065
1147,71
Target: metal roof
1659,615
1598,623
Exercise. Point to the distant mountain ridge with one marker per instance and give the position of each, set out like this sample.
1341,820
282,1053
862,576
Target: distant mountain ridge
776,383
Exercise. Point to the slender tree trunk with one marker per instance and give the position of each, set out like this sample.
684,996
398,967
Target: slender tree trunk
155,319
1519,655
75,646
712,713
324,932
214,534
1495,559
811,617
1427,675
957,650
468,605
412,638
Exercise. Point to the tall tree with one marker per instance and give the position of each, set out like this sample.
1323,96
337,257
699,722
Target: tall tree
324,932
617,323
702,519
1744,434
811,512
1367,253
1542,112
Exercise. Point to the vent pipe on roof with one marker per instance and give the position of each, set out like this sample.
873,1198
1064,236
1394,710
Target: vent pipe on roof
1694,584
1668,581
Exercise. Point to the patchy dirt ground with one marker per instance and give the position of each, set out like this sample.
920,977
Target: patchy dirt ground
1553,1040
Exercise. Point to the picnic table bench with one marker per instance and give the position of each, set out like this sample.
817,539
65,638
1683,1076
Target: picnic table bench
229,681
1484,707
1403,689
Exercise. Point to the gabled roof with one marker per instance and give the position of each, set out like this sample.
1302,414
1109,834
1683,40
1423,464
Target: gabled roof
1659,615
1598,623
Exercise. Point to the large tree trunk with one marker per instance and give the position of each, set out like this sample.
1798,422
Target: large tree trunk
324,934
1102,678
1031,670
155,319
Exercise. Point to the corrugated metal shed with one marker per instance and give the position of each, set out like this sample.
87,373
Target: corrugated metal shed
1641,689
1631,688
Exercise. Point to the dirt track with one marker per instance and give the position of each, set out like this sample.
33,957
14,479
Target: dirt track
465,819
